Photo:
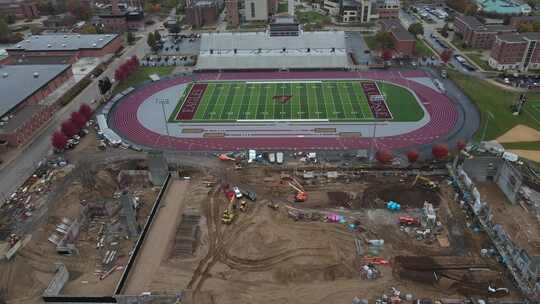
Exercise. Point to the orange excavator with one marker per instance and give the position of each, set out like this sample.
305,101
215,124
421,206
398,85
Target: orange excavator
301,194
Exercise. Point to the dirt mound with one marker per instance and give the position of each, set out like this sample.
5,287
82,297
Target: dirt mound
105,183
407,196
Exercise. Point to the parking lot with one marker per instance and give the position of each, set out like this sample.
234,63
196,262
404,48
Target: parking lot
525,82
188,44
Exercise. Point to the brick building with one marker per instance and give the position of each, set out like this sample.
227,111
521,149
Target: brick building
118,19
404,42
516,52
387,9
21,9
233,15
478,35
25,109
76,46
202,12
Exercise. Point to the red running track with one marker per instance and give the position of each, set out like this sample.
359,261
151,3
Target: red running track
443,112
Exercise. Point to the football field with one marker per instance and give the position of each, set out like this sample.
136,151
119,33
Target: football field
295,100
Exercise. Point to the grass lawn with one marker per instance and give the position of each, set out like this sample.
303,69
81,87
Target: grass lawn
477,58
332,100
422,49
282,7
312,17
494,104
528,145
370,41
141,75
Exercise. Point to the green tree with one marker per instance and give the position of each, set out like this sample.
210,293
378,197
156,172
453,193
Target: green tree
157,36
525,27
130,38
383,40
151,41
416,29
89,29
35,29
5,32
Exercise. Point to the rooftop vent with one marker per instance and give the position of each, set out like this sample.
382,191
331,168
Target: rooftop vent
28,40
18,46
100,39
78,36
94,44
5,75
65,36
36,74
48,45
63,45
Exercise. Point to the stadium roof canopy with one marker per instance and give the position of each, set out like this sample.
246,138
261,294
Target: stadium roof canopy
19,82
258,50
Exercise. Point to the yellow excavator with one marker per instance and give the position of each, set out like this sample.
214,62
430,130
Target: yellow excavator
228,213
425,183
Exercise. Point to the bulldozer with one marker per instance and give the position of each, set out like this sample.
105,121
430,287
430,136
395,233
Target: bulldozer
425,182
228,213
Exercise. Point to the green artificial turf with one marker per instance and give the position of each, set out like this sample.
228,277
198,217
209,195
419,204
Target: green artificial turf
332,100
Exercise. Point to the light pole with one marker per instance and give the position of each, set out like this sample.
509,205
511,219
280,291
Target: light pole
163,102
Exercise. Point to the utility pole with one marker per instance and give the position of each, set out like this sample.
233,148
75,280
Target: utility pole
163,102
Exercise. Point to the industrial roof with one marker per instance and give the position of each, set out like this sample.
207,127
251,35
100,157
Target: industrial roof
57,42
19,82
515,37
470,21
258,50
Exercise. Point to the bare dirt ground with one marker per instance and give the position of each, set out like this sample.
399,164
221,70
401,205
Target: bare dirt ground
520,224
266,256
23,279
519,133
533,155
161,234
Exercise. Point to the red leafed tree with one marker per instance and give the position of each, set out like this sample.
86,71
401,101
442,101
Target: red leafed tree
461,144
86,111
384,156
135,60
68,128
413,156
78,120
386,55
446,55
59,140
440,151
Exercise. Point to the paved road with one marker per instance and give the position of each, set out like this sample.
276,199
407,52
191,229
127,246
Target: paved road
15,173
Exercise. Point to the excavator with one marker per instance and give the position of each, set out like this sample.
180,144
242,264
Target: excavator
228,213
425,182
301,194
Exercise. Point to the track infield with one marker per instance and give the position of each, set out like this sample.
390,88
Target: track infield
332,100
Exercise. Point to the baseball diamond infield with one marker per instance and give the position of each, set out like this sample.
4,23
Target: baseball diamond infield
319,110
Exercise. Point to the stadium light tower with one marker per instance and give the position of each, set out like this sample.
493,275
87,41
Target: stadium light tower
163,102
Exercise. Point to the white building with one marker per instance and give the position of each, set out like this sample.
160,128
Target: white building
256,10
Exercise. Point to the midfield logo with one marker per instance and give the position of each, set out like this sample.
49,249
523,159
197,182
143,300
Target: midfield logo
282,98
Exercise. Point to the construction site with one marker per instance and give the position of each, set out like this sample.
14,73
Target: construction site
154,228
